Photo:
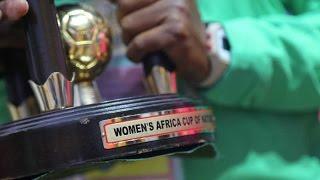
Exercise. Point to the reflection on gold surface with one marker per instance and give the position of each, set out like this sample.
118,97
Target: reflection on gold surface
87,40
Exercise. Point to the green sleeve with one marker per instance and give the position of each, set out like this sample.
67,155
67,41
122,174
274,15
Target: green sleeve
275,63
300,6
61,2
4,114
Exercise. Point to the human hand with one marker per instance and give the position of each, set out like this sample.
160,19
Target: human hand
11,35
172,26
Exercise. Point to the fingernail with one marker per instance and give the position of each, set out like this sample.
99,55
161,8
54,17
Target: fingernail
22,2
25,6
15,9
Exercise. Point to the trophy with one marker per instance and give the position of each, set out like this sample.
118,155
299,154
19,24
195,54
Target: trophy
75,128
87,38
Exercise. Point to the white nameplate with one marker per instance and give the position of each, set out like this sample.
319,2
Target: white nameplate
124,131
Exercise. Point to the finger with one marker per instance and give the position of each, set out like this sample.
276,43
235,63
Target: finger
127,6
156,39
143,20
13,10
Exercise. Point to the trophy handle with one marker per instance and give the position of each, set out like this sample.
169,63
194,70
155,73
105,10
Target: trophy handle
44,45
159,72
46,57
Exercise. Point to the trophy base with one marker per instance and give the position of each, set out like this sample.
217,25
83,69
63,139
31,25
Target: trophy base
131,128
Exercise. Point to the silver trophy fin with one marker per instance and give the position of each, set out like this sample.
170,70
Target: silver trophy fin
56,93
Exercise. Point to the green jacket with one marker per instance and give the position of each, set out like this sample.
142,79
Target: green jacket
269,96
275,56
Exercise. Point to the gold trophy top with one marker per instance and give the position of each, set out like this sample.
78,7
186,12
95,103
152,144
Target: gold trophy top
87,38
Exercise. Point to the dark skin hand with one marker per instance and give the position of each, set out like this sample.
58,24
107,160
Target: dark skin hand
172,26
11,33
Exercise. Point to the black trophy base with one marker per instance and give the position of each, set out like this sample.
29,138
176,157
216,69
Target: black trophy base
75,137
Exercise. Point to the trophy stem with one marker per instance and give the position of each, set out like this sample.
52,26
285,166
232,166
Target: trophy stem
86,93
159,73
161,81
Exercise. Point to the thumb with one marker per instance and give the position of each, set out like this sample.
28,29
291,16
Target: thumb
13,10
